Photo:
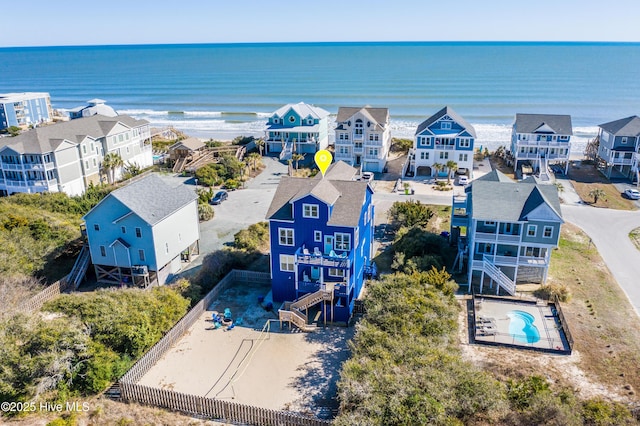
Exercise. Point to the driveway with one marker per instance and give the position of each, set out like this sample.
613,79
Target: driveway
243,208
609,230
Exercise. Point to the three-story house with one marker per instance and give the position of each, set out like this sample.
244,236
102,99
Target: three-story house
619,146
362,137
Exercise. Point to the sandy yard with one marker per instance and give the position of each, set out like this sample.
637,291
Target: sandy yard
276,369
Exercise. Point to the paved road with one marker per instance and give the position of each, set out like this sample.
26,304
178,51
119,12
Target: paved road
609,229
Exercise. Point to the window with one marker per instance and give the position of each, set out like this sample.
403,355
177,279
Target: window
141,255
424,155
547,232
531,230
166,248
317,236
96,227
84,149
624,140
342,241
286,236
93,148
94,163
292,119
287,263
276,121
489,223
123,229
373,152
335,272
465,143
127,150
310,211
103,251
444,155
138,232
86,164
463,157
446,125
120,138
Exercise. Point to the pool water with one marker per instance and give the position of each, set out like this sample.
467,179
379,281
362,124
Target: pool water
521,327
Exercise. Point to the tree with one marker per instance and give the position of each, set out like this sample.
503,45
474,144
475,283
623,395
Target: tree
559,187
297,157
14,130
254,158
409,213
451,165
439,167
260,145
596,193
110,163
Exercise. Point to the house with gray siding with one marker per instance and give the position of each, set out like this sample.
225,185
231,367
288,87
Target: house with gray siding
363,137
297,128
538,140
506,230
619,147
67,157
143,233
24,109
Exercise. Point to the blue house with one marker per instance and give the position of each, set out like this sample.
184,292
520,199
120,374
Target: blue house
321,234
443,137
24,109
619,147
300,128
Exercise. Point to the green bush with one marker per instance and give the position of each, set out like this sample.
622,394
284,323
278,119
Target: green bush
205,212
549,291
409,213
254,238
598,412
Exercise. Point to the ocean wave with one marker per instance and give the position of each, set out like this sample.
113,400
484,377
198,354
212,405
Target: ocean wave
142,112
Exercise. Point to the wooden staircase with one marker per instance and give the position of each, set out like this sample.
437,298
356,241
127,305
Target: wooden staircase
499,277
293,311
80,267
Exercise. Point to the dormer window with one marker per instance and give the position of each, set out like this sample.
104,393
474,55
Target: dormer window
276,121
310,211
292,119
309,121
624,140
446,125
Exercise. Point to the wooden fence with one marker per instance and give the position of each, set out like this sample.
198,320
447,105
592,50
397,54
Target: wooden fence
563,322
197,405
36,302
209,408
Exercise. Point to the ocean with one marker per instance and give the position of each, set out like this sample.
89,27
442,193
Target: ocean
224,90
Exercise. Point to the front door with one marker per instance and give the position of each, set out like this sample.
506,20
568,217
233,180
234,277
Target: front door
328,244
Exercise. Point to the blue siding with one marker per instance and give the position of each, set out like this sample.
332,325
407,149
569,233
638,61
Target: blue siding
308,275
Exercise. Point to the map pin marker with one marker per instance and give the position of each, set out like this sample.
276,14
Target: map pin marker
323,160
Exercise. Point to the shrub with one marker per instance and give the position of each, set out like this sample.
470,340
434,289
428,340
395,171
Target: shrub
401,145
231,184
409,213
254,238
549,291
205,212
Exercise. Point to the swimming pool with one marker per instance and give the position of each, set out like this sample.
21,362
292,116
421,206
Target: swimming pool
521,327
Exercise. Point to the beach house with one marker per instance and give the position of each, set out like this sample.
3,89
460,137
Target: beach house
297,128
443,138
505,231
24,109
363,137
321,236
619,147
93,107
538,140
142,233
68,156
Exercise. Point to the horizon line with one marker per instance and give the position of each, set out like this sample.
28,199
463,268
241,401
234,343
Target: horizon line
374,42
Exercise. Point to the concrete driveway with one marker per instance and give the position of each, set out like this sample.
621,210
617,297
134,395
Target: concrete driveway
609,230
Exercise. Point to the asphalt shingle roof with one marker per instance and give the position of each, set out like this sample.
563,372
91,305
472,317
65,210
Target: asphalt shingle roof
336,188
496,197
47,138
152,199
378,116
629,126
451,113
529,123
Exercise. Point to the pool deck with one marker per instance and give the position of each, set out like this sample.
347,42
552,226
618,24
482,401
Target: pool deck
492,324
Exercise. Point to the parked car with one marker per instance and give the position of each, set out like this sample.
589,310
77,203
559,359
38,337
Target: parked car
219,197
463,180
368,176
632,194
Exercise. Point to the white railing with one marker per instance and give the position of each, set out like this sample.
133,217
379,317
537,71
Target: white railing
495,237
505,260
499,276
533,260
11,166
445,147
622,161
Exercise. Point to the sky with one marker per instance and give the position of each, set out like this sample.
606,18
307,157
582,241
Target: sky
47,23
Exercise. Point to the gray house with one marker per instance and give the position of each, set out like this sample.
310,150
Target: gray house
143,232
619,147
538,140
511,228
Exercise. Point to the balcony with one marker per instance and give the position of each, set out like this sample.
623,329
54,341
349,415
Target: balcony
358,136
500,259
344,157
486,237
445,147
358,149
617,161
317,258
11,166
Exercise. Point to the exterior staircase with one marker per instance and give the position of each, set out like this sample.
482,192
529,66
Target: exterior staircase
544,169
498,276
287,151
293,311
80,267
179,166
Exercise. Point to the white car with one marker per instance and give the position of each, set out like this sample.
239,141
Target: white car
632,194
463,180
368,176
